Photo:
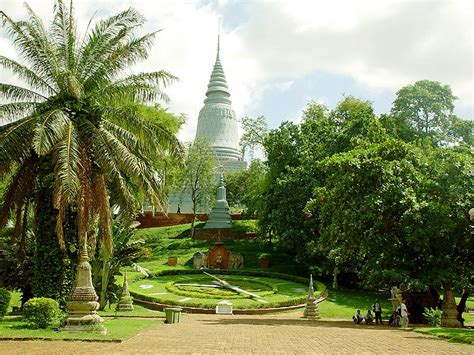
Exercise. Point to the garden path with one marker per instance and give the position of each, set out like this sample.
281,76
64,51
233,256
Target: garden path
284,334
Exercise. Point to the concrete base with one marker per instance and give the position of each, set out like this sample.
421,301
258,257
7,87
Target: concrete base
90,323
125,307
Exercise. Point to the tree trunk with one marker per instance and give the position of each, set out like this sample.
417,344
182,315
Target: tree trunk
104,284
462,306
450,313
53,268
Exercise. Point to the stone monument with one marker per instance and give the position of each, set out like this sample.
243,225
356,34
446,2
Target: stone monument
220,216
311,309
82,306
199,259
125,302
217,122
396,297
450,312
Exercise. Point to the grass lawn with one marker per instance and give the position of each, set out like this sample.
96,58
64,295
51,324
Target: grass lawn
157,290
117,329
342,304
138,311
176,241
453,334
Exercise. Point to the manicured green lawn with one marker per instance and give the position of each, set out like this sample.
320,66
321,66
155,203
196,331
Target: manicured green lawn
117,328
138,311
457,335
342,304
157,290
176,241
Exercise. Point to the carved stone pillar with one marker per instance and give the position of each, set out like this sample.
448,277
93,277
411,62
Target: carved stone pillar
125,303
311,310
450,312
82,306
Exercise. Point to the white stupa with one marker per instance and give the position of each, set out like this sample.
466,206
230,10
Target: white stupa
217,121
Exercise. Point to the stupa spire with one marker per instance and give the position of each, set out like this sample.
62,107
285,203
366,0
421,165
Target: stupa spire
217,120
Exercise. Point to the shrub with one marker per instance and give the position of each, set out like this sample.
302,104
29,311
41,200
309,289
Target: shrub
41,312
4,301
263,256
433,316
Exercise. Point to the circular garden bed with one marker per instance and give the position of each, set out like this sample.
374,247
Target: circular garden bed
195,291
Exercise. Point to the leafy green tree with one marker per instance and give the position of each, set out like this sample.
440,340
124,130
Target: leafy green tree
424,108
255,131
292,153
77,132
197,176
397,214
245,187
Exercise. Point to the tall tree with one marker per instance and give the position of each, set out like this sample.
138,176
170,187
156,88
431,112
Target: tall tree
255,132
76,130
424,108
197,176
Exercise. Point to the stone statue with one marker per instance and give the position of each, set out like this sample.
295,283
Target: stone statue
396,297
236,261
198,260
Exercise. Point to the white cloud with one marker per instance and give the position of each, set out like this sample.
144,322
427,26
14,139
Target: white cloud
380,44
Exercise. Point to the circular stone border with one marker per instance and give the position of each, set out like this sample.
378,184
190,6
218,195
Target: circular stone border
138,298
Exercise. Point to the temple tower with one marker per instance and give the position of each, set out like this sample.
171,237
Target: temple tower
217,121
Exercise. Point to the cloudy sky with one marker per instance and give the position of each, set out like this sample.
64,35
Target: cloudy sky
280,54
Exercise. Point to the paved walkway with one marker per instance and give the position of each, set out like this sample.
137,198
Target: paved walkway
276,334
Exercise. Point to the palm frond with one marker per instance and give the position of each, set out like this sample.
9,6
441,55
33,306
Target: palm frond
15,110
153,133
17,93
28,47
103,38
26,74
50,129
41,39
19,188
119,55
63,31
15,141
143,87
103,209
85,196
66,164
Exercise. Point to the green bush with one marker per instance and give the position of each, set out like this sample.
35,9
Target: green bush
41,312
433,316
5,297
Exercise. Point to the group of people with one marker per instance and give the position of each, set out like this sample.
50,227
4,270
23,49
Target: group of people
399,317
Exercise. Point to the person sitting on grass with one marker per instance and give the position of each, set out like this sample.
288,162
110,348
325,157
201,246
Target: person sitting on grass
368,318
357,317
394,320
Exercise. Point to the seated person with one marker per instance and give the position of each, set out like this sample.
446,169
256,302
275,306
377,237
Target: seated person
357,317
394,319
368,318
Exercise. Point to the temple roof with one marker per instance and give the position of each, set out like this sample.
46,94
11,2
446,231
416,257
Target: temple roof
217,89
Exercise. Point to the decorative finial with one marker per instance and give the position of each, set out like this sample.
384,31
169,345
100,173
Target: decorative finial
218,36
84,254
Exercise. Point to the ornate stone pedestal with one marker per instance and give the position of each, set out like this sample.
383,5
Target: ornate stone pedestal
450,312
220,216
83,305
311,310
125,303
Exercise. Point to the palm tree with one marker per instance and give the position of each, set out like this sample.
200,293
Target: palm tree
74,132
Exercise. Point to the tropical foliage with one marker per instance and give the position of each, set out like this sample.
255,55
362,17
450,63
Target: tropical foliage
77,133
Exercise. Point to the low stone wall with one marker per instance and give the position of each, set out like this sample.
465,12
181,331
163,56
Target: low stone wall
159,219
222,234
